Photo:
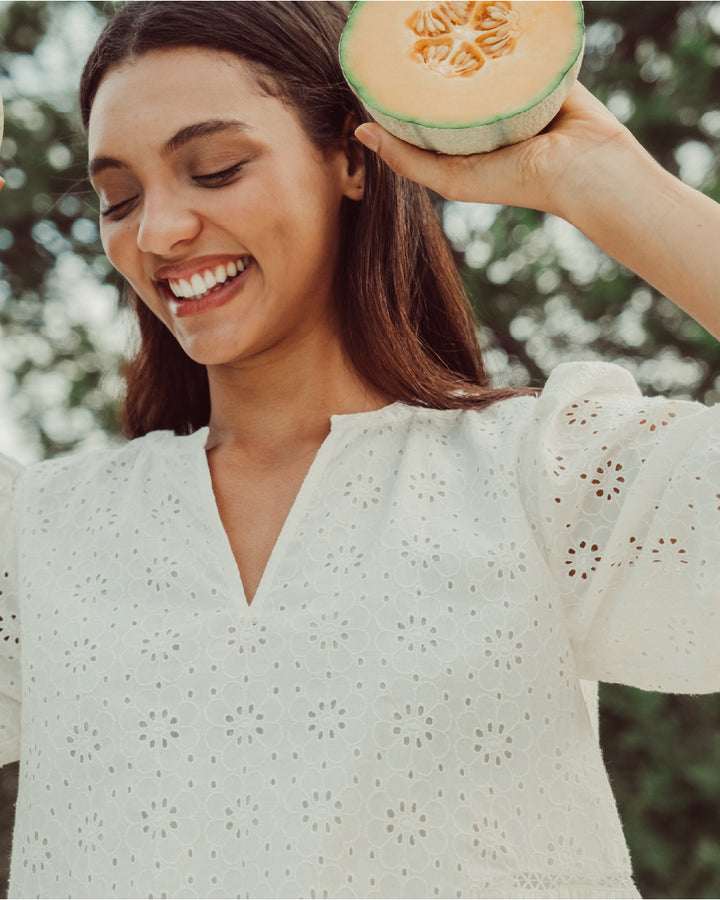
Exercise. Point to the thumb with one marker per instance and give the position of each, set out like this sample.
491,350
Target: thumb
424,166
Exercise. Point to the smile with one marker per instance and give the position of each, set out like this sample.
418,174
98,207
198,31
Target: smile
201,283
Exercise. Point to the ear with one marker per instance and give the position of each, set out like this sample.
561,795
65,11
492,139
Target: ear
353,161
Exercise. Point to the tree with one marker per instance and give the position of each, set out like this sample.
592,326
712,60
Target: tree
60,335
543,294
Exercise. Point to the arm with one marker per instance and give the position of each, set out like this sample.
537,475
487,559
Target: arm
588,169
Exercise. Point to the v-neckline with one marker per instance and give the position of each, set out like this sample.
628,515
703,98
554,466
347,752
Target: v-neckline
295,513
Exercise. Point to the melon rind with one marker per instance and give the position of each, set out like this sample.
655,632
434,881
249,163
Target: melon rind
507,128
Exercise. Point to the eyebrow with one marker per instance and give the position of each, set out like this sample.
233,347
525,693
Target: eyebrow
189,133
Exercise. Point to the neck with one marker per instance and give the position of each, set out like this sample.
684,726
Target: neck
270,407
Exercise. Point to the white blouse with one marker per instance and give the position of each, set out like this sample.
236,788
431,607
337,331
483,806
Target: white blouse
399,712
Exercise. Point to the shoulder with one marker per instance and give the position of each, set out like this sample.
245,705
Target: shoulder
584,379
404,424
596,400
584,409
98,469
417,438
570,386
589,377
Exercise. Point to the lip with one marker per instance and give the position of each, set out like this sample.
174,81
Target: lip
214,300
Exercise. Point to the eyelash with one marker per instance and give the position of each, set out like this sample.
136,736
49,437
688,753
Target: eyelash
218,179
211,180
111,210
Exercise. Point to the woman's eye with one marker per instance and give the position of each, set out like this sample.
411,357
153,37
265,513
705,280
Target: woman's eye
117,210
218,179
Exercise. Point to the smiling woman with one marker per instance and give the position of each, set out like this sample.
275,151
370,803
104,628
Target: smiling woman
326,624
188,194
408,338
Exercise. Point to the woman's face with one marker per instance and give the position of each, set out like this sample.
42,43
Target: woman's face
215,206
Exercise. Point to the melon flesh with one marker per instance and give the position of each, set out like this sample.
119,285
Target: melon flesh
463,77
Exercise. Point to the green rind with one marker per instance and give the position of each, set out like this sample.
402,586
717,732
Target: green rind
479,136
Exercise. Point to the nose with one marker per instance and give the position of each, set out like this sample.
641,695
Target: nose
166,222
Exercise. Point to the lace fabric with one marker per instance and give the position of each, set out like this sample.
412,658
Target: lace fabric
400,711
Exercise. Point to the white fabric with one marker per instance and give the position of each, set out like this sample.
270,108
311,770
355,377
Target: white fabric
399,712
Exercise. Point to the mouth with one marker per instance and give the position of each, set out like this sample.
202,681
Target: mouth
206,281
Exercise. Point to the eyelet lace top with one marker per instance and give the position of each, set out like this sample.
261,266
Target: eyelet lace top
399,712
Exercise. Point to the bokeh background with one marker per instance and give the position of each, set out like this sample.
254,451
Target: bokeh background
542,292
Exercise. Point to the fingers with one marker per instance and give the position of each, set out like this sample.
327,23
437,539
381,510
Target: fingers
516,175
423,166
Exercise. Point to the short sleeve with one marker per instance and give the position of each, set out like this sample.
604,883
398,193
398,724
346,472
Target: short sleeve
624,492
10,683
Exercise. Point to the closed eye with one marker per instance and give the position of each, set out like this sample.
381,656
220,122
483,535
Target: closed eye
219,179
117,209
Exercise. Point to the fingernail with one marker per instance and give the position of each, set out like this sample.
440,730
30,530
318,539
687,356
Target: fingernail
367,136
2,182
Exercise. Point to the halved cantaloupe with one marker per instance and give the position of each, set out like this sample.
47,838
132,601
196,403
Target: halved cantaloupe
463,77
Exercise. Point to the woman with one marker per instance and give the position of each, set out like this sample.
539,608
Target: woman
319,629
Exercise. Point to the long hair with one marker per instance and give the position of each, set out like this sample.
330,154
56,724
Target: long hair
406,325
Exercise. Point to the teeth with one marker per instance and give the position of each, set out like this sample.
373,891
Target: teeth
201,283
210,280
183,289
198,284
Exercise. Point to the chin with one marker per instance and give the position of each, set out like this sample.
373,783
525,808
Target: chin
211,350
211,356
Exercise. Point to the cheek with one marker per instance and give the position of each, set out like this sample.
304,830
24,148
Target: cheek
118,242
120,248
112,244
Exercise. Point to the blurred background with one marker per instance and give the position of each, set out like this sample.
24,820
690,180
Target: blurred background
542,292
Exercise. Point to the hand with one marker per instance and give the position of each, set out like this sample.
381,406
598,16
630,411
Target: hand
589,169
538,173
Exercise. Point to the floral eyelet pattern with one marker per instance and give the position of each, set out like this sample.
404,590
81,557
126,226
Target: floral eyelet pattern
401,710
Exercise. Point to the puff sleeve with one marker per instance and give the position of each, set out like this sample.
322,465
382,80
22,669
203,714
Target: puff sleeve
625,495
10,680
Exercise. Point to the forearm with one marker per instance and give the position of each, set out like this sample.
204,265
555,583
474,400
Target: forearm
665,231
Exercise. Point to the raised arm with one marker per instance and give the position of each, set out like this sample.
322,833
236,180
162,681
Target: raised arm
589,169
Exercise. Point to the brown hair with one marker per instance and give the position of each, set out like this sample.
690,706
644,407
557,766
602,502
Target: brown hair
406,324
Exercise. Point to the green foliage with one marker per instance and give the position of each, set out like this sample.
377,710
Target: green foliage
663,753
542,294
47,216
